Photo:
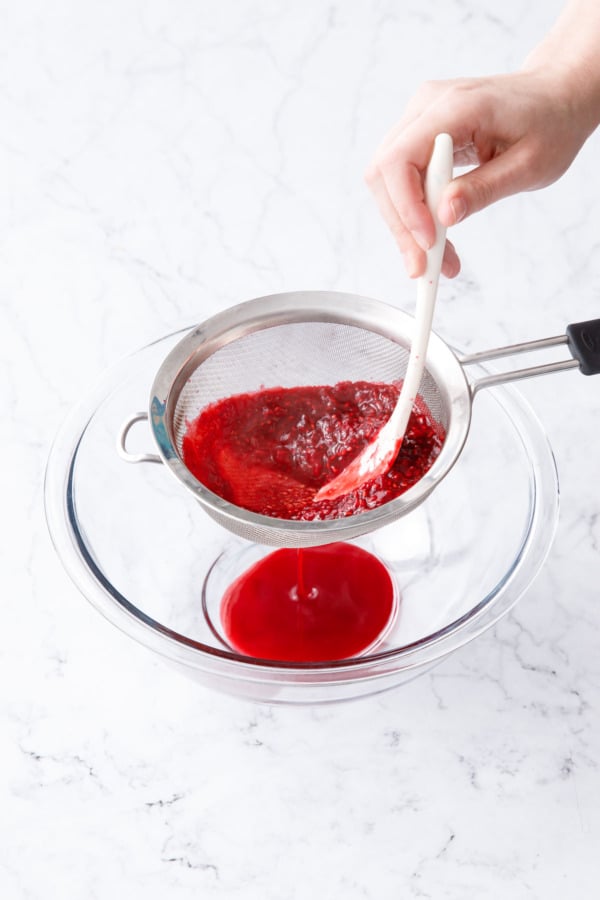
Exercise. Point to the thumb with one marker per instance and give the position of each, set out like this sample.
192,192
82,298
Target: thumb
482,186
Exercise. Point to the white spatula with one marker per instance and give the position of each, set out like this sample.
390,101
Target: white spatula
377,458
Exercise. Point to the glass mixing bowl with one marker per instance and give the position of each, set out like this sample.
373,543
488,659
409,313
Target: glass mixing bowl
146,556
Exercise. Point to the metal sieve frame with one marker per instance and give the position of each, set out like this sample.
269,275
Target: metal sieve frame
281,309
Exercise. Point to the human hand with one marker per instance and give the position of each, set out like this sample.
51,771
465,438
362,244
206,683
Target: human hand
519,131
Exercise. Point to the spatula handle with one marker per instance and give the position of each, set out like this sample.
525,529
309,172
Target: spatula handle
438,176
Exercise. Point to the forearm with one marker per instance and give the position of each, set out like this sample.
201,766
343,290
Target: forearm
570,55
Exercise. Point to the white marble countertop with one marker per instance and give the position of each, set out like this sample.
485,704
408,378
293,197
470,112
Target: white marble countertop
159,161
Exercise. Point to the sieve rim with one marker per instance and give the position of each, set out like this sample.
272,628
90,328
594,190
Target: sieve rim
291,308
247,676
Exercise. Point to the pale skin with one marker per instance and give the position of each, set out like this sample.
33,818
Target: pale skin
519,132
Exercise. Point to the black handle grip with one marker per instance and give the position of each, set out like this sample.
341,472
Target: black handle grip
584,344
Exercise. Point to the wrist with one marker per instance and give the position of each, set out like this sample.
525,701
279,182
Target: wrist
573,85
568,63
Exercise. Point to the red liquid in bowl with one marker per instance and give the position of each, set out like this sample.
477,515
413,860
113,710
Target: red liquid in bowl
270,451
311,605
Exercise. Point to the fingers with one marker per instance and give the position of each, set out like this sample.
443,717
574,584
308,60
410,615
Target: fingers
402,158
508,127
400,174
502,176
450,262
396,175
453,207
404,184
413,254
398,191
425,96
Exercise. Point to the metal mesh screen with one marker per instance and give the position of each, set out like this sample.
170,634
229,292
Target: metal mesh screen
293,355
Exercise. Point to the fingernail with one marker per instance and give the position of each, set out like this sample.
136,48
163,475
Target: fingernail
411,264
459,209
422,239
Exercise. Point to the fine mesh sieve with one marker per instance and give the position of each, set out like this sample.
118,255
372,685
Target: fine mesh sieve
303,339
294,354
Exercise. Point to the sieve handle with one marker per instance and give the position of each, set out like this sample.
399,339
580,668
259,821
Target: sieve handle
581,338
122,441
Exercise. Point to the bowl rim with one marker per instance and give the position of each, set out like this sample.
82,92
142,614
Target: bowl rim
69,542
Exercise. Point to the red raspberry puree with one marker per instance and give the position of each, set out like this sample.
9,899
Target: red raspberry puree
270,451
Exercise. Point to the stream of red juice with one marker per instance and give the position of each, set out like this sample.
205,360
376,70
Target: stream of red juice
270,451
317,604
